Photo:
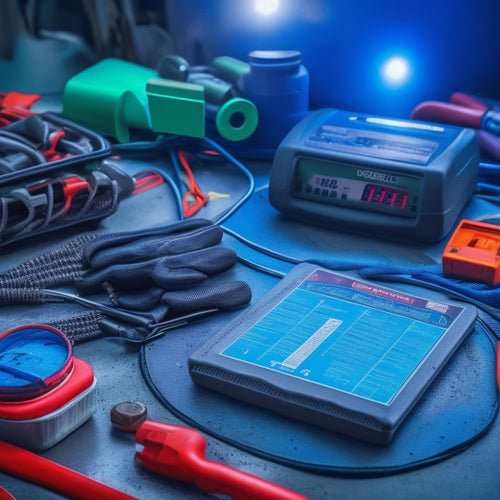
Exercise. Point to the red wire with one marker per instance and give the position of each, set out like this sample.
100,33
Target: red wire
194,191
146,179
51,153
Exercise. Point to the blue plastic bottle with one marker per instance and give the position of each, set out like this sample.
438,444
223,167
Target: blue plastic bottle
278,84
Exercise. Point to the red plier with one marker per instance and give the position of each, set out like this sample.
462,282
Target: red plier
466,111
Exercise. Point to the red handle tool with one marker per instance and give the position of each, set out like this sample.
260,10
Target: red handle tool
5,495
179,452
26,465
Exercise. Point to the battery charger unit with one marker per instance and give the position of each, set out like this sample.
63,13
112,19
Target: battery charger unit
334,351
400,179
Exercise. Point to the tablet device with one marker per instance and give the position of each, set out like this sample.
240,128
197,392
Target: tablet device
335,351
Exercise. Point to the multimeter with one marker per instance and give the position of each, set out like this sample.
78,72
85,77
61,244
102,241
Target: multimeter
374,175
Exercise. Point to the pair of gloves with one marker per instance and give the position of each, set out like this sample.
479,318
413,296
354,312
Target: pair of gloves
152,278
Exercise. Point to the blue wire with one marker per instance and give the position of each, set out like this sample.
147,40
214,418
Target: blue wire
176,142
177,194
177,171
173,186
489,189
489,175
489,168
149,146
260,248
243,169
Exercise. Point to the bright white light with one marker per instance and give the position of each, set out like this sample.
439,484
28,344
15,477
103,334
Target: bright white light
396,71
266,7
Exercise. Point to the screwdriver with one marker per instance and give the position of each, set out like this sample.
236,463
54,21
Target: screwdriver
179,452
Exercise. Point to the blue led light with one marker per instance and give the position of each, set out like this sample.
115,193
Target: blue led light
396,71
266,7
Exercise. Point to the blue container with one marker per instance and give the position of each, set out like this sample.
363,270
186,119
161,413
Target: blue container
278,85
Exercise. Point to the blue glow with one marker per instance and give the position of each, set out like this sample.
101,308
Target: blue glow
345,48
396,71
266,7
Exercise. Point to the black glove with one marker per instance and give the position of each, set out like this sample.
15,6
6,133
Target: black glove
178,260
155,273
165,270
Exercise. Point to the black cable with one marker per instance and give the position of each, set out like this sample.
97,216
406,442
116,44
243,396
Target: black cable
260,248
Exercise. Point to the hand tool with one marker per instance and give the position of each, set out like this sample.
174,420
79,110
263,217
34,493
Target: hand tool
5,495
179,452
467,111
26,465
130,326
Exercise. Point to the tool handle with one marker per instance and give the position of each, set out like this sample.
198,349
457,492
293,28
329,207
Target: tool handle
215,477
446,112
26,465
179,452
5,495
468,101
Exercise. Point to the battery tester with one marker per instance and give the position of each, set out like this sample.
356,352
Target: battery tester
375,175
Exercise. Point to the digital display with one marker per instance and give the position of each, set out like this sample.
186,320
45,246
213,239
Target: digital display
361,187
397,198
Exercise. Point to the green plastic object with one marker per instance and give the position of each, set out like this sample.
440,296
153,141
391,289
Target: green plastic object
176,107
237,119
230,69
114,95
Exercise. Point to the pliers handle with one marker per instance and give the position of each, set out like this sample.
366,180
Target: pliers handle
467,111
31,467
462,109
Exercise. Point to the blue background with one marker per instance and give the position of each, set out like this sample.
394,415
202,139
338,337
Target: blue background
450,45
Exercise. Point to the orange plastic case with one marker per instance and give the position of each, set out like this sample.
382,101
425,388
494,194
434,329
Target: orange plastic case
473,252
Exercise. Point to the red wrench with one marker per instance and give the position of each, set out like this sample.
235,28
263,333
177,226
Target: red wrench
179,452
